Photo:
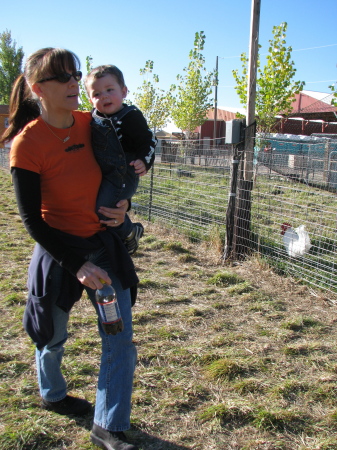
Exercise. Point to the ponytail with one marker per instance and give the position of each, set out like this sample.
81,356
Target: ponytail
23,108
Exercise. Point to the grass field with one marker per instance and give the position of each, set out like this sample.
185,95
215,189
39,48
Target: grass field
229,357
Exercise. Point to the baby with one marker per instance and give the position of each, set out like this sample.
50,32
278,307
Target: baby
122,142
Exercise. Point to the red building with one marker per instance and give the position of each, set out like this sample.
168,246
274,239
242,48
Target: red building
206,130
312,113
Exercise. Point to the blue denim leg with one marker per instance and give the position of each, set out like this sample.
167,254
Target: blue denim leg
131,182
129,189
52,384
118,361
109,194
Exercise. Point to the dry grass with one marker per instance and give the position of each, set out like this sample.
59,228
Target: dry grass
230,357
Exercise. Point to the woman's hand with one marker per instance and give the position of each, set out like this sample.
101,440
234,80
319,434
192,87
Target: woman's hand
90,275
116,215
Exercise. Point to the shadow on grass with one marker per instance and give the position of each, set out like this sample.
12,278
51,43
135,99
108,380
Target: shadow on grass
84,421
148,442
135,435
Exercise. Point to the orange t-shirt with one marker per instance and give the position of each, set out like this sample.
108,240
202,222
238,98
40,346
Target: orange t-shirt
70,175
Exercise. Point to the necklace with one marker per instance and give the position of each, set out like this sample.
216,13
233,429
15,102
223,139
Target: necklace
58,137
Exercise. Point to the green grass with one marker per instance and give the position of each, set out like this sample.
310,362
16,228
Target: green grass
229,357
225,279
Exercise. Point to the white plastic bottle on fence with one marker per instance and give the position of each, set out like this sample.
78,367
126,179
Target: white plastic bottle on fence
109,313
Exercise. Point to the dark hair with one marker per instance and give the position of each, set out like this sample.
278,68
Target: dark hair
24,106
101,71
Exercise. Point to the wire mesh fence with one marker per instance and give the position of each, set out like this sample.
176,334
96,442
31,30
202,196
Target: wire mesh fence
296,184
187,188
312,160
294,181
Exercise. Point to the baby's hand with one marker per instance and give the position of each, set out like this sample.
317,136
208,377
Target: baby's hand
139,166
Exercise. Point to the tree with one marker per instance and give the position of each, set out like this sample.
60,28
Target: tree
10,65
275,87
154,103
85,104
192,101
334,94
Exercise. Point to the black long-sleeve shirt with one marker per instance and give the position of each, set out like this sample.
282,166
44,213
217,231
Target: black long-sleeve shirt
27,188
133,133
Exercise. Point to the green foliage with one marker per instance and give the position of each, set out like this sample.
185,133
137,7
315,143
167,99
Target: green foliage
85,104
225,279
334,92
150,284
226,369
176,247
192,101
281,420
300,323
290,389
241,288
275,87
29,436
154,103
226,414
10,65
248,386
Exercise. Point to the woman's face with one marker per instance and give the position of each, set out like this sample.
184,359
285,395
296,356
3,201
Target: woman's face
57,96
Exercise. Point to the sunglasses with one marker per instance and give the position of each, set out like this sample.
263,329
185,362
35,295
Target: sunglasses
64,77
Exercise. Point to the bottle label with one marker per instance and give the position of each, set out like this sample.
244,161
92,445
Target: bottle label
108,312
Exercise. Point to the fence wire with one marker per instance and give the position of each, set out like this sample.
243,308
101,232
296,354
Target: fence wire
187,188
294,182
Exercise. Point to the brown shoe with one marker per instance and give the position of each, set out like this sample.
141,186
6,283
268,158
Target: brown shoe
110,440
67,406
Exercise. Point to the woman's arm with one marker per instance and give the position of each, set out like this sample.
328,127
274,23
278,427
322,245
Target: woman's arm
28,195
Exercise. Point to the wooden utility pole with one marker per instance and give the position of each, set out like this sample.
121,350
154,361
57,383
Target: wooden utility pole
251,89
242,242
215,99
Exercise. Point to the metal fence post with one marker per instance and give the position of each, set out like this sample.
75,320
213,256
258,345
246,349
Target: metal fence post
151,195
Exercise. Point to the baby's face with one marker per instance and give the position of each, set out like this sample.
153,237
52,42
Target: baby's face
106,95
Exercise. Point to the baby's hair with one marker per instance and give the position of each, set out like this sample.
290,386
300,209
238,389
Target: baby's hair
101,71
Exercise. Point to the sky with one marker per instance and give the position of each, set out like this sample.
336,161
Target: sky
128,33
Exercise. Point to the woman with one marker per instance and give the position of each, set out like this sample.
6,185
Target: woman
56,180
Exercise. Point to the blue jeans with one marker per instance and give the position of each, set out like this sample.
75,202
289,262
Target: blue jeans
109,194
118,358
